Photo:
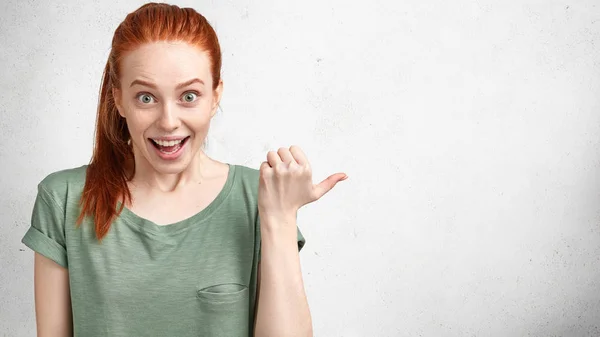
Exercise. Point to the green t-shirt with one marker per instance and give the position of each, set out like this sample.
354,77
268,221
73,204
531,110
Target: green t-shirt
196,277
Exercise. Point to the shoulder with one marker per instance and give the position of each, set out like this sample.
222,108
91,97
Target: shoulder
246,182
247,175
60,183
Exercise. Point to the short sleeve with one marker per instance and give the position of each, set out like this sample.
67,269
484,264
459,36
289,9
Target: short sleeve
299,238
46,234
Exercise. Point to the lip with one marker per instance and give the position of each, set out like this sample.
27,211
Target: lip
166,139
169,156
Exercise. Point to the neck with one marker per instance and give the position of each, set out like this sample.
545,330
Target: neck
147,177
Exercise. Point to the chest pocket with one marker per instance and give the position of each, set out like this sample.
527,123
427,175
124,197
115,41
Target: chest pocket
224,310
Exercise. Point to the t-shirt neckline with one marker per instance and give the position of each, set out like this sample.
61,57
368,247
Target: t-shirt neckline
150,226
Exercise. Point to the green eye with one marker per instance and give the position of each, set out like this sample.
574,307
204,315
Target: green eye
145,98
190,97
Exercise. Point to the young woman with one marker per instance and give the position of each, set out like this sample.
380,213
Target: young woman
153,237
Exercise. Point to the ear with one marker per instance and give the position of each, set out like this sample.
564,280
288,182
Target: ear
217,94
117,97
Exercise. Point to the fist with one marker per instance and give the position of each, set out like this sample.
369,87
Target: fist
285,183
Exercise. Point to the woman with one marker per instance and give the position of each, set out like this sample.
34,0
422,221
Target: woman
153,237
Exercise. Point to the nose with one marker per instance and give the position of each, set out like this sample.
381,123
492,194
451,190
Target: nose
168,120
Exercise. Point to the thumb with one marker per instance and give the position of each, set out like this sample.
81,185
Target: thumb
326,185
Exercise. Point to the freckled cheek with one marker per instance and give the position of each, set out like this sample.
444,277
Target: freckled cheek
198,116
197,125
138,123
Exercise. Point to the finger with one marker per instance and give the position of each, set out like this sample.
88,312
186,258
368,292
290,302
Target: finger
273,159
326,185
265,171
264,166
285,155
298,154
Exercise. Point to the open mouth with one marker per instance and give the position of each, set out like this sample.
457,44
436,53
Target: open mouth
169,146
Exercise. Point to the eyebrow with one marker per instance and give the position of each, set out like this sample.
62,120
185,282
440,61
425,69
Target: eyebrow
179,86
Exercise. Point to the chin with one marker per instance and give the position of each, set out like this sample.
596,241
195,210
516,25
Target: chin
170,168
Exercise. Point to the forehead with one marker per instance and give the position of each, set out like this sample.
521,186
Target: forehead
166,64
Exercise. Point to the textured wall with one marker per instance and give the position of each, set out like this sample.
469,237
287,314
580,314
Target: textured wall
470,131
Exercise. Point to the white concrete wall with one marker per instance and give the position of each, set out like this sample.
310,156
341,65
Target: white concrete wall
470,131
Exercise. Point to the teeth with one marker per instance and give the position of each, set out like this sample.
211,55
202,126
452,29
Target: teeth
167,143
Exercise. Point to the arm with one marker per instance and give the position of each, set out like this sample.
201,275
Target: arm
52,298
282,307
284,185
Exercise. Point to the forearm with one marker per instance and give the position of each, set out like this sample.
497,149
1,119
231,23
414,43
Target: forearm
282,308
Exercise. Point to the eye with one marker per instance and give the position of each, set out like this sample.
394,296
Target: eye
189,97
145,98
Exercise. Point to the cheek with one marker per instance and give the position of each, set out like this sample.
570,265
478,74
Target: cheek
199,117
138,121
198,126
204,107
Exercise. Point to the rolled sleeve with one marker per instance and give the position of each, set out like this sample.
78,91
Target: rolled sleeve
46,235
41,243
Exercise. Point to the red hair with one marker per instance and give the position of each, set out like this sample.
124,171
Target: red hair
112,164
